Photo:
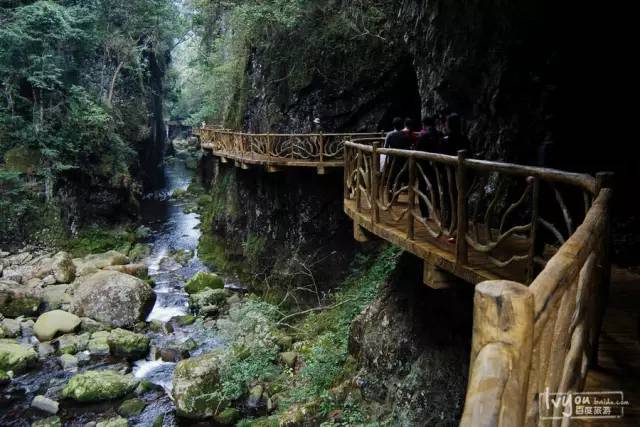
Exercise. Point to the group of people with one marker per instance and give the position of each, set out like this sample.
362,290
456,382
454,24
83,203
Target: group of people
444,136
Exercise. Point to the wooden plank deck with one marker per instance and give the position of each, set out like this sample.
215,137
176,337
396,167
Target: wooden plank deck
619,352
440,252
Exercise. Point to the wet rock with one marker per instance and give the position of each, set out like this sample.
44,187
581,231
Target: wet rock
138,270
92,263
128,344
15,357
234,299
185,320
289,358
45,349
211,297
169,264
26,328
48,422
45,404
53,323
17,301
68,361
159,421
173,354
195,382
159,326
117,299
202,281
146,386
131,408
209,311
4,378
99,343
11,328
71,344
228,417
95,386
113,422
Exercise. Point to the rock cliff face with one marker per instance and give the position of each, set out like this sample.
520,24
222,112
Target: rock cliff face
412,345
284,229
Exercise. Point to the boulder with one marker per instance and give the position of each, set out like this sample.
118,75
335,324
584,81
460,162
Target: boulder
289,358
4,378
53,323
62,268
228,417
195,382
131,408
92,263
17,301
113,422
68,361
15,357
45,404
99,343
209,297
71,344
11,328
139,251
56,296
128,344
138,270
202,281
95,386
89,325
115,298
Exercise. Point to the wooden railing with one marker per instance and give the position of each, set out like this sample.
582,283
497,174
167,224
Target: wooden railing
527,340
318,150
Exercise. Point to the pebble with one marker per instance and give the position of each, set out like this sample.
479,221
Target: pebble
68,361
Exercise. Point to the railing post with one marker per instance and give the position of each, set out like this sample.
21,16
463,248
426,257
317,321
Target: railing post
321,143
347,172
603,180
375,172
462,254
269,144
412,198
535,209
358,177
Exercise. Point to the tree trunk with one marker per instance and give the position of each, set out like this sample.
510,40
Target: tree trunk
113,83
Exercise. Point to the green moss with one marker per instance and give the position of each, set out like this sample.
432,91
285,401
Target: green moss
98,240
94,386
22,306
139,251
202,281
15,357
131,408
185,320
22,159
228,417
128,344
53,421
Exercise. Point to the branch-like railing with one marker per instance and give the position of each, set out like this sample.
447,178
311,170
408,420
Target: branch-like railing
554,225
312,149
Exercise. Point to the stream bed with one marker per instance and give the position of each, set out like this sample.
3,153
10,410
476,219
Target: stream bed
170,230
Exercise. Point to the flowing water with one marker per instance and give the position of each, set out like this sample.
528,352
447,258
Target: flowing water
171,230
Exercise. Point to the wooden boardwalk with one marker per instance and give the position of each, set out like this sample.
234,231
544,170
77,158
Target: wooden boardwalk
619,352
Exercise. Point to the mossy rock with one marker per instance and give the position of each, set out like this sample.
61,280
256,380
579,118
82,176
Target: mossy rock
208,297
131,408
71,344
123,343
202,281
159,421
48,422
4,378
99,343
139,251
95,386
195,383
228,417
113,422
185,320
16,304
15,357
22,159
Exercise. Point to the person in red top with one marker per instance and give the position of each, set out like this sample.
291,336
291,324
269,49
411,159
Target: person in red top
410,134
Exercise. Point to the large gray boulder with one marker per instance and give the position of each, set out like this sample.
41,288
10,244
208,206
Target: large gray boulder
96,386
114,298
94,262
53,323
195,382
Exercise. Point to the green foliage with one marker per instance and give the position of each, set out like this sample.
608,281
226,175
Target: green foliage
97,240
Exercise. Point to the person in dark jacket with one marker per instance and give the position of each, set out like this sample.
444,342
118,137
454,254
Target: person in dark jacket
429,140
455,139
395,138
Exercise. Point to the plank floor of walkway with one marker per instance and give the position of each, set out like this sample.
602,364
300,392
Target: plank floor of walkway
440,252
619,353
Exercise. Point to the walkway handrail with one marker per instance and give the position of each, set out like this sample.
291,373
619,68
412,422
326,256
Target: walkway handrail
291,149
526,339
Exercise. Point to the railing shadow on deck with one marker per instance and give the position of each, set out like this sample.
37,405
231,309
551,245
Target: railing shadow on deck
526,340
276,150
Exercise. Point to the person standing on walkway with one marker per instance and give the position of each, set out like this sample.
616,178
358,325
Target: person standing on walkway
455,139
